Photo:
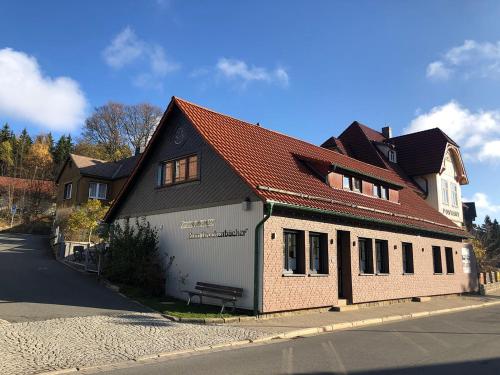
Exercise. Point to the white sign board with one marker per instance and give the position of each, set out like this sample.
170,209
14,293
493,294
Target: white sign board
466,259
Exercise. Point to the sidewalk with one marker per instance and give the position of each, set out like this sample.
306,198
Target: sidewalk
318,322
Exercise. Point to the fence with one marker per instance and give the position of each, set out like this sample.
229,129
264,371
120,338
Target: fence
489,281
86,255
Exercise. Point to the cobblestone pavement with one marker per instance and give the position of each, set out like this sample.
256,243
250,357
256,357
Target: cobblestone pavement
33,347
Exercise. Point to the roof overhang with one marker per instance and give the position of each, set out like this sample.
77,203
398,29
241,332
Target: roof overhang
443,232
456,156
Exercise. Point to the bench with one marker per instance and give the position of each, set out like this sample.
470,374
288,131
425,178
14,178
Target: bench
226,294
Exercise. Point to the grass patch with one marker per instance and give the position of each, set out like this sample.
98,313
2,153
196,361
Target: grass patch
178,308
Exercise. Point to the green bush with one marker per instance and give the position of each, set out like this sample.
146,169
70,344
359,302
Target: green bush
133,257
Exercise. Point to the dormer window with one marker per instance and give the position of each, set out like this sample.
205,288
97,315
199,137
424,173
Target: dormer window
392,156
346,183
356,185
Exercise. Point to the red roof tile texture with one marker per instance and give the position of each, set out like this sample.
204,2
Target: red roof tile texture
44,186
262,157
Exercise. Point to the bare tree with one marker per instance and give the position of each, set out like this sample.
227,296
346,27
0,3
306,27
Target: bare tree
106,128
140,123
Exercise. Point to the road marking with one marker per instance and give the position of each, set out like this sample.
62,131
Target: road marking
287,361
329,349
410,341
430,335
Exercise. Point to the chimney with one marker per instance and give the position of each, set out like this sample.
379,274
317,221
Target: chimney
387,132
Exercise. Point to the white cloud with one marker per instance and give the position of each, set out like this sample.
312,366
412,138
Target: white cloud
438,70
124,49
477,132
25,93
471,59
127,49
483,204
239,71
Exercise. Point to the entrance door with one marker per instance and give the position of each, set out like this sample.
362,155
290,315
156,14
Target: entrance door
344,265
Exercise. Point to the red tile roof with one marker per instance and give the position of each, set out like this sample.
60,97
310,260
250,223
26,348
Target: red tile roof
267,161
43,186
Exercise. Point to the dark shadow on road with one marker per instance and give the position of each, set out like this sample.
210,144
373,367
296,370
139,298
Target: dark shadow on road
489,366
30,274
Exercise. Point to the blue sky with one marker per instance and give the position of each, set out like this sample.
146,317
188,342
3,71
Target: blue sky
303,68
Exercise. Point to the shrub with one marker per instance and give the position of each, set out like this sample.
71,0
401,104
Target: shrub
134,258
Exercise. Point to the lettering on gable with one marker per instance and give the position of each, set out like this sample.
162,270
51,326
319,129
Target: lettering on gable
216,234
204,223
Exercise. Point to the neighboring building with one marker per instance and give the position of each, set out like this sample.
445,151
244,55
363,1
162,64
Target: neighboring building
34,196
429,161
469,209
295,225
81,178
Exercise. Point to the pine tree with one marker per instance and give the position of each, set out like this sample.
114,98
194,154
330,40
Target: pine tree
5,133
62,149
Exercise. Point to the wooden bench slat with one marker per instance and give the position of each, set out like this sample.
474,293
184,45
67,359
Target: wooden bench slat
219,291
229,288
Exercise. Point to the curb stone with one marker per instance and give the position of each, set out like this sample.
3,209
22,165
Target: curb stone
284,335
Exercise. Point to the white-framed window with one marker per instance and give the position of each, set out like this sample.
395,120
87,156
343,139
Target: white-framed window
384,193
382,256
365,255
318,253
346,182
444,192
407,257
392,156
454,195
98,190
356,184
67,190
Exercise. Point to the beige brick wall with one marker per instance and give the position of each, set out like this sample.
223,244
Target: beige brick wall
282,293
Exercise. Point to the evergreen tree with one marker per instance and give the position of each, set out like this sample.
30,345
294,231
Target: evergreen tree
50,143
62,149
22,147
6,133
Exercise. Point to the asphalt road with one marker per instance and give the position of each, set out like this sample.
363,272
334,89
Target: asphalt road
34,286
459,343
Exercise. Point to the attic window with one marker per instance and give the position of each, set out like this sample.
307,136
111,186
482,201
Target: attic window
346,182
178,171
392,156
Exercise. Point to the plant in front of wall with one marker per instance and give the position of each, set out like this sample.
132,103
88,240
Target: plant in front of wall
134,258
86,218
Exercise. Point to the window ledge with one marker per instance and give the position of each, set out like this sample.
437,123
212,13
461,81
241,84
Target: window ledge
382,274
182,183
437,273
408,273
450,273
318,275
366,274
294,275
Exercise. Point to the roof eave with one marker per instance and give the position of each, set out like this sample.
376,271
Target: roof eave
364,219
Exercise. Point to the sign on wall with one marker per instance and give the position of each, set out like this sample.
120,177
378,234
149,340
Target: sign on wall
207,223
466,259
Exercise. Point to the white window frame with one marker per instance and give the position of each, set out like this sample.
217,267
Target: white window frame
99,186
392,156
66,197
347,179
445,194
354,188
454,194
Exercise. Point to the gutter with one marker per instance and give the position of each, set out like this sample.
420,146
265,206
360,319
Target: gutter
256,269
